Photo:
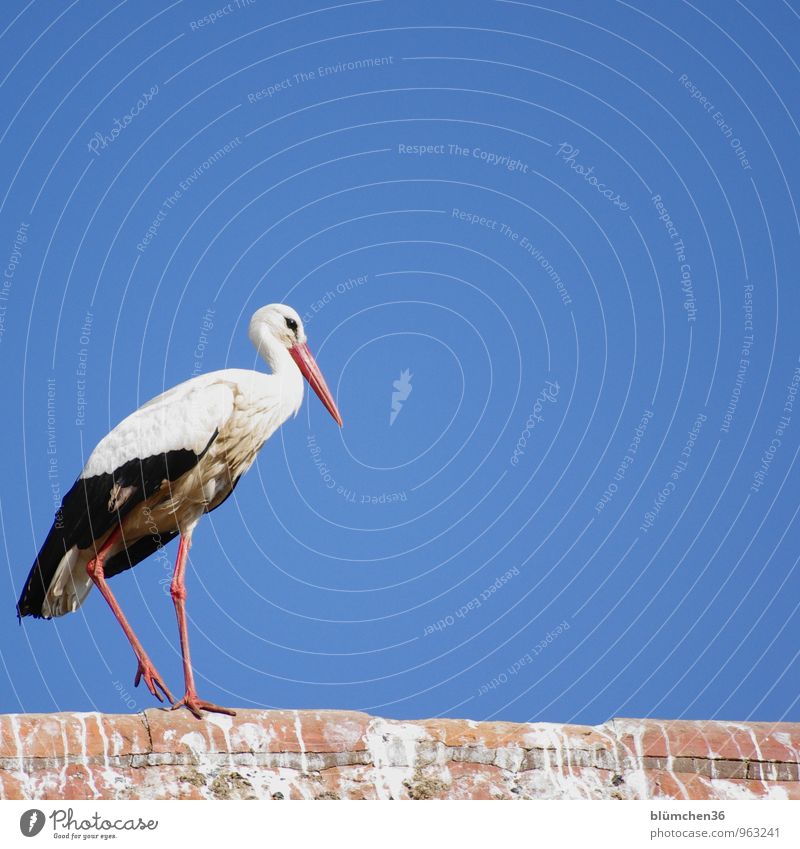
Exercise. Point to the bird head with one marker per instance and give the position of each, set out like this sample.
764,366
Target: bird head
279,324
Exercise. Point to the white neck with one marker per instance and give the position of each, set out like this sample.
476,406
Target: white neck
286,381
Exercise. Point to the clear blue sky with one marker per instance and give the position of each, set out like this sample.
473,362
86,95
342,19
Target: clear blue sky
574,225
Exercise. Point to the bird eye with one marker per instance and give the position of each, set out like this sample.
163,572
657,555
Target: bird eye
291,324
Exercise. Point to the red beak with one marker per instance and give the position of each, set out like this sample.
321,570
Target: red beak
308,366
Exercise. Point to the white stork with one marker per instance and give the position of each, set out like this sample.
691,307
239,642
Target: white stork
155,474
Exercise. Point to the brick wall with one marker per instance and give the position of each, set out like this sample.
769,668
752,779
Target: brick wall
335,755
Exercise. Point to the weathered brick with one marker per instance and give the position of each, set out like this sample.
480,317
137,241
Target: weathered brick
284,755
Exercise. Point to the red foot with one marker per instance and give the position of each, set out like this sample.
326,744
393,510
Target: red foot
152,679
195,705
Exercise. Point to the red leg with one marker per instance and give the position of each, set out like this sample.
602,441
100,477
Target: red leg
146,669
178,592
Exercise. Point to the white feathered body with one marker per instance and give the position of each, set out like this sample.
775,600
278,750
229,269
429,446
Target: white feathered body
224,416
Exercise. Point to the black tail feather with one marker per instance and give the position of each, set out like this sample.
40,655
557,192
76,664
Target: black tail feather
42,572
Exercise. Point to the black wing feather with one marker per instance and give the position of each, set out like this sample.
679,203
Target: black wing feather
89,510
129,557
144,547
